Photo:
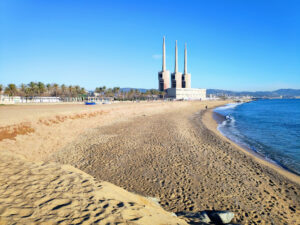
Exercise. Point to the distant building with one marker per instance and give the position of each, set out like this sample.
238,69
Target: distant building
5,99
180,83
187,93
186,77
176,77
164,75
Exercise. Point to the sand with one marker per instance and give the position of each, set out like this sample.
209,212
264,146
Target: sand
168,150
48,193
52,127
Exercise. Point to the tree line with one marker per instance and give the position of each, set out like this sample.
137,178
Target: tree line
132,94
39,89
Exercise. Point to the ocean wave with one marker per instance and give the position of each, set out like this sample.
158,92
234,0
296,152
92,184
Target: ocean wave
227,106
228,122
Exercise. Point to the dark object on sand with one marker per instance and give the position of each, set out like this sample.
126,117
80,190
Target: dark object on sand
208,217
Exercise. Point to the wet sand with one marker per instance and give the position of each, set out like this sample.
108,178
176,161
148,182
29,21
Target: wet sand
171,151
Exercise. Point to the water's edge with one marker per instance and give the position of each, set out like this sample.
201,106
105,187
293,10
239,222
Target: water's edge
219,118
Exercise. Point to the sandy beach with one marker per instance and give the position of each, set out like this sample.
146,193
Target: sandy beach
170,151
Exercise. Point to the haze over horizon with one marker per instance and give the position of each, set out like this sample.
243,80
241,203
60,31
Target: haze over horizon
232,45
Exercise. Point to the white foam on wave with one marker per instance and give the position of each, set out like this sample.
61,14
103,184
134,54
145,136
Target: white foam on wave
229,121
222,124
228,126
227,106
228,129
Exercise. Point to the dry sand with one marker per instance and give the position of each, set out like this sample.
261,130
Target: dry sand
35,192
48,193
162,150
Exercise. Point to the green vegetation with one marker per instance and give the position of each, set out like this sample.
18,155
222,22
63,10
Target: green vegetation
34,89
133,94
11,90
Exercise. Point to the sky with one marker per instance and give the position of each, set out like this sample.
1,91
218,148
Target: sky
236,45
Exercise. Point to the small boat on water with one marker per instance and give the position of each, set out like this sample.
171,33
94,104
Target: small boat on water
90,103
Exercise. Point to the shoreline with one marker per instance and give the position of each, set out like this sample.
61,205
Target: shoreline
179,167
128,146
220,118
213,117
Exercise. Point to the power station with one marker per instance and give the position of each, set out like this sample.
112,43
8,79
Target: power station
180,83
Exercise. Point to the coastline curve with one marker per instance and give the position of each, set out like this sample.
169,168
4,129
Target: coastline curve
211,122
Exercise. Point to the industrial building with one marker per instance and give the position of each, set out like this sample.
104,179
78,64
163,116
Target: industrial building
180,83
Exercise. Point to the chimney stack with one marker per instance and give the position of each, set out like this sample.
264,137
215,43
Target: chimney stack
164,56
176,77
186,77
164,75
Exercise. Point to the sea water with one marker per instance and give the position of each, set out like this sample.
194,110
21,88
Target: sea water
270,128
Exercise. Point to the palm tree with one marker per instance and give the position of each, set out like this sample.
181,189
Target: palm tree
104,89
82,91
41,88
55,89
33,89
22,89
101,90
77,90
63,89
130,93
11,90
1,88
27,91
97,90
116,90
70,89
48,86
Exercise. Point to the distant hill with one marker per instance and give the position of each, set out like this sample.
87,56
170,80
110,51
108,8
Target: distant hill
142,90
276,93
258,94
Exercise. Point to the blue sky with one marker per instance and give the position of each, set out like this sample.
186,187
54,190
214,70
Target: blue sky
232,44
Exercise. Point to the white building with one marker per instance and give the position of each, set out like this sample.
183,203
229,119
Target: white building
5,99
187,93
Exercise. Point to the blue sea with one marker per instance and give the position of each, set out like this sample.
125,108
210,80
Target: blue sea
270,128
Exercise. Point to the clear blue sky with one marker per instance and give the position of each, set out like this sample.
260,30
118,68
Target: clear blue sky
232,44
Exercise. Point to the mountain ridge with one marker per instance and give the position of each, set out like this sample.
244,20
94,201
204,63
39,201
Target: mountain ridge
285,92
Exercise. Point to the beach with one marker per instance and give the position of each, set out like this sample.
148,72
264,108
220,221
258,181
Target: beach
169,151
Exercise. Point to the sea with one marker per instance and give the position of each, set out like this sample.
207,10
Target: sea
270,128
